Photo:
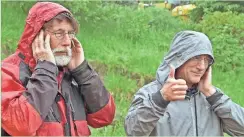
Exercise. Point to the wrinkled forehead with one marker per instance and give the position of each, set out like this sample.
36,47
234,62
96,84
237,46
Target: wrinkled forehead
55,22
63,25
62,19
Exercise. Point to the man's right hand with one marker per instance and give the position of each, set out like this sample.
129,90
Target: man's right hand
41,49
174,89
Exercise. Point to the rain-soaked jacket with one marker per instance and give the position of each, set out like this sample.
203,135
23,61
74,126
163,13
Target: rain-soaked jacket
151,115
38,99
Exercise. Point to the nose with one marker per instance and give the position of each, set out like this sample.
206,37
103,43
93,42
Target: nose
66,40
201,65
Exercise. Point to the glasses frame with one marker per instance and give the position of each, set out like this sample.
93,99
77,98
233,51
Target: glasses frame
197,59
70,34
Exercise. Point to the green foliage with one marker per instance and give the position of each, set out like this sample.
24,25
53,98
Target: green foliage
226,30
207,7
196,14
86,10
228,53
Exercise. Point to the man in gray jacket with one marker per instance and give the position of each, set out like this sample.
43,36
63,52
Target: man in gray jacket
182,101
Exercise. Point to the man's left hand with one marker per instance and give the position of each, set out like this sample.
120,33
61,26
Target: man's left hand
205,84
77,54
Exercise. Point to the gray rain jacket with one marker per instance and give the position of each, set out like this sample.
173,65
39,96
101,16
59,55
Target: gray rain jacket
151,115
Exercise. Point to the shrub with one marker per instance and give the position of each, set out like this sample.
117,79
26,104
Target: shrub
226,30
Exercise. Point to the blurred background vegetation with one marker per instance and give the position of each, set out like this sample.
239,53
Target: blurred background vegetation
126,44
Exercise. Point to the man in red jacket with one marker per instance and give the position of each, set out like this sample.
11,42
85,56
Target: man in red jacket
48,88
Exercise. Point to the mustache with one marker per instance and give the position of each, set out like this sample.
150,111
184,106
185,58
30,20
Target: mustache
61,50
67,50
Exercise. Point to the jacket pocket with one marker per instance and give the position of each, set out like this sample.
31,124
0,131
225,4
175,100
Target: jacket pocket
81,128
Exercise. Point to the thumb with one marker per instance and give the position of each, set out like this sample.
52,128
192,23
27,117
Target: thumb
171,72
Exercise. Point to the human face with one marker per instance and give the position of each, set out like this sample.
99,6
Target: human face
194,69
61,34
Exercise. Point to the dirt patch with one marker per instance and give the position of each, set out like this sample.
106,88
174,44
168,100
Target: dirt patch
102,69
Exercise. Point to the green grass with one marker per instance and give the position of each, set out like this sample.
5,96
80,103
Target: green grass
121,88
125,52
231,83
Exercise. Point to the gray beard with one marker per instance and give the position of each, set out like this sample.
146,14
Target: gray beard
62,60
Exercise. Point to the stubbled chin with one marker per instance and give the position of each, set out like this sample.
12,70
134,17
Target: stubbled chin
196,80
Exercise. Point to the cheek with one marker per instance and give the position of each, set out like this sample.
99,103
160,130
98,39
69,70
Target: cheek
188,74
53,43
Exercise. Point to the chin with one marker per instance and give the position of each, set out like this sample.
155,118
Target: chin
195,80
62,61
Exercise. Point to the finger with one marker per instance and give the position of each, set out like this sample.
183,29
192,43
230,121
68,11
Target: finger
209,74
33,45
38,44
47,42
72,44
209,71
74,47
180,82
207,77
76,42
179,92
171,81
171,72
41,42
179,87
181,97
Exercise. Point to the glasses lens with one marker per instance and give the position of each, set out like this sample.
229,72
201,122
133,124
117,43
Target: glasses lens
207,60
59,35
71,35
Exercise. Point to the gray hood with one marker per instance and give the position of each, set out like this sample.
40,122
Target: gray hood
185,45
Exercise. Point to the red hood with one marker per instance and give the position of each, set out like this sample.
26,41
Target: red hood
40,13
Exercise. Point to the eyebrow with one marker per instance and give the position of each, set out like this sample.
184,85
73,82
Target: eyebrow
63,30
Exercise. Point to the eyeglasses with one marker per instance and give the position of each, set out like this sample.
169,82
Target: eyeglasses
61,34
197,59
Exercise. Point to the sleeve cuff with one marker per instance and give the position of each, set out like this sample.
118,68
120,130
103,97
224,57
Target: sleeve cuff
214,98
82,72
47,65
159,100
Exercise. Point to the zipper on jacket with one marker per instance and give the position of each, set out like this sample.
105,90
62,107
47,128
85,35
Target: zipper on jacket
55,115
73,116
67,126
195,104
